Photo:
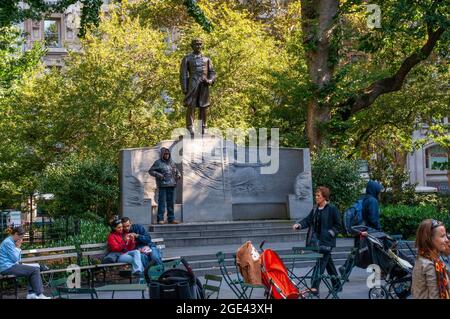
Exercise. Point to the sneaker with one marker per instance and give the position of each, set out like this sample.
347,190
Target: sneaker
174,222
161,222
42,296
32,296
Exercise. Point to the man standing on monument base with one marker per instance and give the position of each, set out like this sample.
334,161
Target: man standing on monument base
196,75
167,175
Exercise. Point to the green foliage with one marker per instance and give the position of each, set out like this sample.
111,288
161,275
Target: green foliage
340,175
82,187
91,232
409,197
198,15
14,64
383,134
108,97
17,165
405,220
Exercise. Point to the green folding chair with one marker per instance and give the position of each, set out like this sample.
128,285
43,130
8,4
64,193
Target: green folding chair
209,289
241,289
76,291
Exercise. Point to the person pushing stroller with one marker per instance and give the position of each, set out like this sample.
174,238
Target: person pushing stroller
324,224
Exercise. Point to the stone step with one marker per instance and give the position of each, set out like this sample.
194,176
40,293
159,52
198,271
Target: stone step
204,226
222,232
237,240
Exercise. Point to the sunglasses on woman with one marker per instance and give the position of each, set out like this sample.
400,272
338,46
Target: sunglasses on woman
435,223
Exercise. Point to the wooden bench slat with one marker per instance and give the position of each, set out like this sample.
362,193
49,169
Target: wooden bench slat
94,252
49,257
111,265
47,250
87,246
170,258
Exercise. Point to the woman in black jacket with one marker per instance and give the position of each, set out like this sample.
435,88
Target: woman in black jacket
324,224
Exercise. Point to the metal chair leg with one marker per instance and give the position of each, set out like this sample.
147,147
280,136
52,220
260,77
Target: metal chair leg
15,287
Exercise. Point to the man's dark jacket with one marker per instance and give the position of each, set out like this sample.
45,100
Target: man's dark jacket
371,212
144,238
165,171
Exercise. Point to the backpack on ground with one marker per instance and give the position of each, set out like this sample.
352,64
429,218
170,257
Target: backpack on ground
353,216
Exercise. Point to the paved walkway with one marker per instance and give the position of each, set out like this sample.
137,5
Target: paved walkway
356,288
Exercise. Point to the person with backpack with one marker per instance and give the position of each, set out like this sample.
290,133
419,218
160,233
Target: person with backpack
365,212
371,210
323,223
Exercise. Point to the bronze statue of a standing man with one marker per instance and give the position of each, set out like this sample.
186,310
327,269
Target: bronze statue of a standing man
196,75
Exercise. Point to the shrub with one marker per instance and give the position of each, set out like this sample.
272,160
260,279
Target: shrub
85,188
90,232
340,175
404,220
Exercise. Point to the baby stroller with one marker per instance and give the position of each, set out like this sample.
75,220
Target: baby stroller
380,249
275,278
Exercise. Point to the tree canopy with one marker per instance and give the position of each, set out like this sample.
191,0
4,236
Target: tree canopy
312,68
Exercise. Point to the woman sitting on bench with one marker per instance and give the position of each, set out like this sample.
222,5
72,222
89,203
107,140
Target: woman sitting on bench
125,244
9,264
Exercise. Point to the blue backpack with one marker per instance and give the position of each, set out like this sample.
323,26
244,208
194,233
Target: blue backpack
353,216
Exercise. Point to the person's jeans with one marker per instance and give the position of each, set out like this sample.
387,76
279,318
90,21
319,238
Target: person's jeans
154,258
326,262
32,273
166,197
132,257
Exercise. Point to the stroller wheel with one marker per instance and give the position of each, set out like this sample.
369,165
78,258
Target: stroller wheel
378,293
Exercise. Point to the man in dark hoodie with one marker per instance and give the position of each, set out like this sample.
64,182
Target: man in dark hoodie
371,218
371,211
167,175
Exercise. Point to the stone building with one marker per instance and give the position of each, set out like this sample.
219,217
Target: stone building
420,163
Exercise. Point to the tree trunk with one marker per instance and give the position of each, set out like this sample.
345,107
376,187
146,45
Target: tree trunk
318,20
399,164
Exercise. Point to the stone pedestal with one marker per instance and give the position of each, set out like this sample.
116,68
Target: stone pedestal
220,181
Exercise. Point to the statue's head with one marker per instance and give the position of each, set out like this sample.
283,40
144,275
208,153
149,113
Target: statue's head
197,45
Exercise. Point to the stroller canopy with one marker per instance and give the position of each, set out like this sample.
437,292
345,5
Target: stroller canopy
275,276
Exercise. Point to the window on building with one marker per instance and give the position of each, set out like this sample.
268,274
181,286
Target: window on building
435,154
52,31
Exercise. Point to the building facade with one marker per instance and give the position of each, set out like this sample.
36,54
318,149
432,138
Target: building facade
58,32
420,164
